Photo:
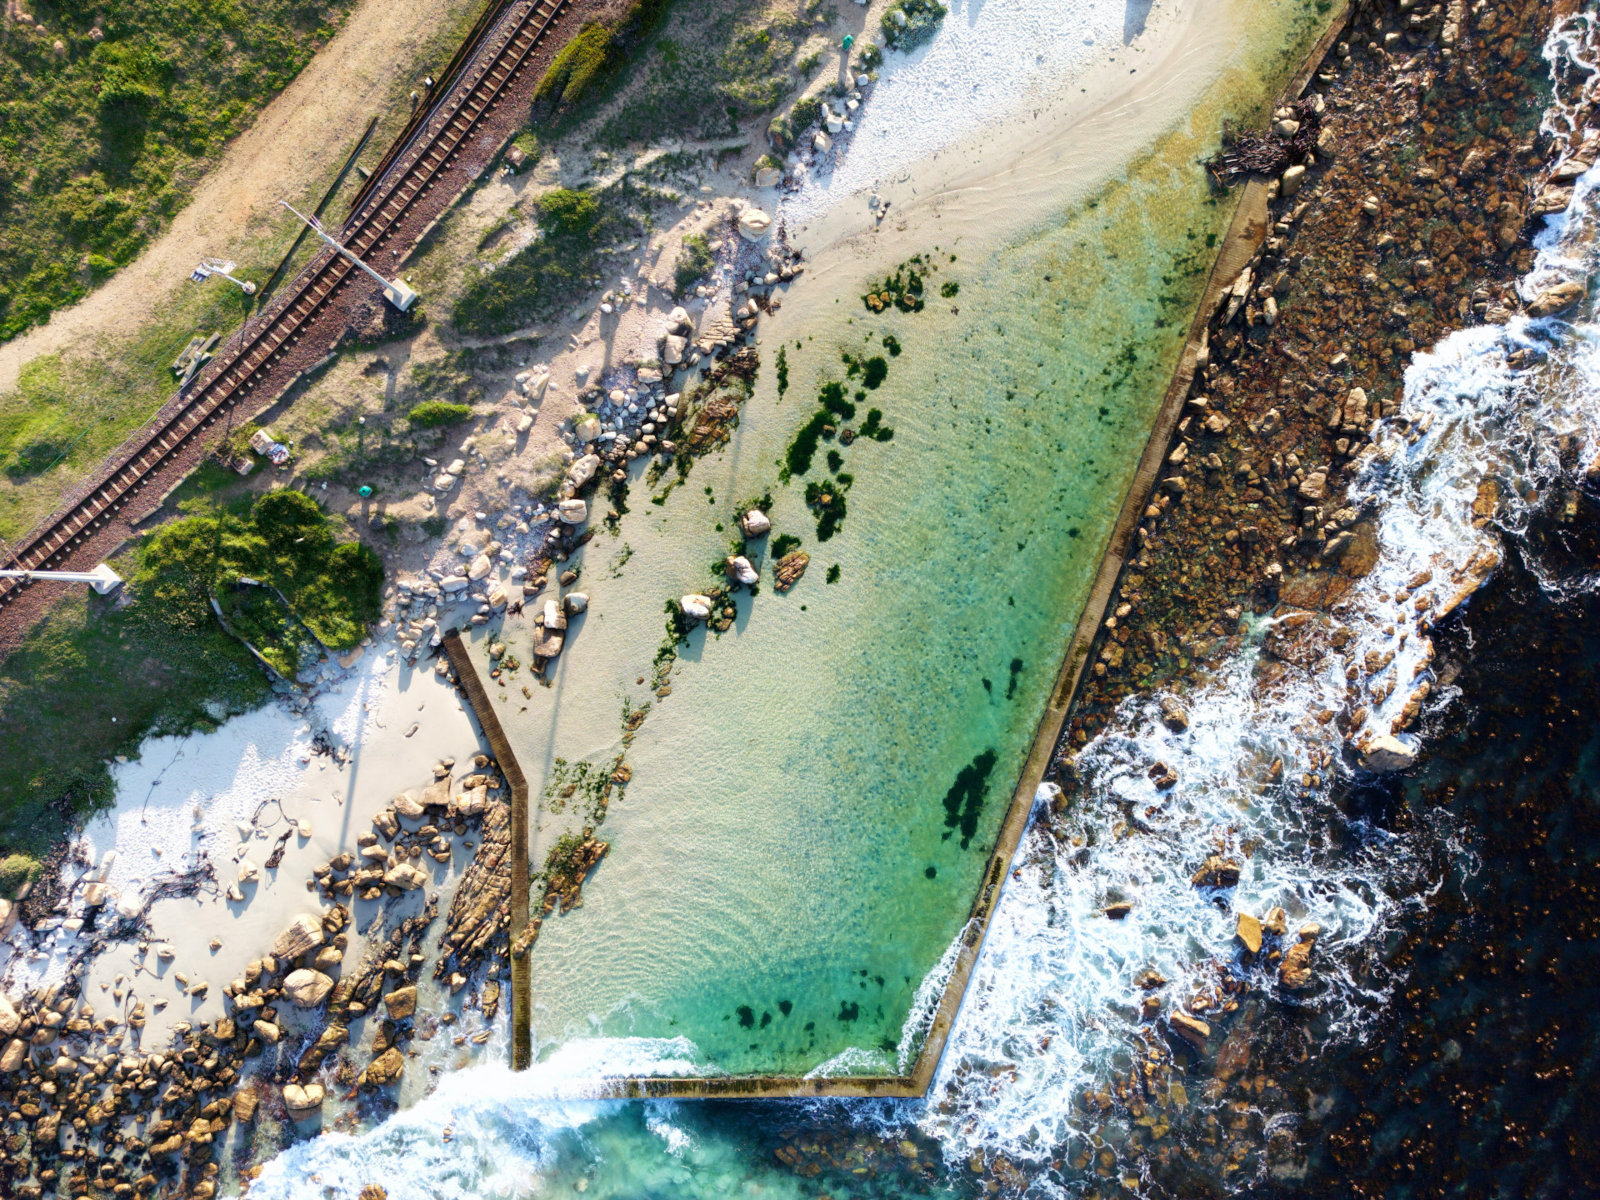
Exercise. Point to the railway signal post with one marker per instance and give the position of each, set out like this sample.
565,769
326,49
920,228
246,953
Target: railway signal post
394,291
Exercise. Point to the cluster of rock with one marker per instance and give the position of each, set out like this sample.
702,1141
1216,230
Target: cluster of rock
477,926
1265,460
418,823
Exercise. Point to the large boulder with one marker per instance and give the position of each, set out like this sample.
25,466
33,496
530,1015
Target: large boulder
1217,872
409,805
572,512
755,523
13,1056
307,988
580,472
695,606
1248,930
304,933
1557,298
302,1100
401,1003
1190,1028
9,1017
754,224
1387,753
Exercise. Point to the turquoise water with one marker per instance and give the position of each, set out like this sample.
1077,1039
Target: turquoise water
784,870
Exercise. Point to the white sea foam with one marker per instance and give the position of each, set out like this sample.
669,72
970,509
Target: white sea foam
484,1132
988,60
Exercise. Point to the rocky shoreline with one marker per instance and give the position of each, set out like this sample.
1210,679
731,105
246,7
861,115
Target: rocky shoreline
1407,215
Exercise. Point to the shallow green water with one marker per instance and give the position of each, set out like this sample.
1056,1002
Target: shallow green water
784,870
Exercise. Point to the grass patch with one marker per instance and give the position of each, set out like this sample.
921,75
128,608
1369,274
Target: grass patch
578,227
89,682
704,72
435,414
695,261
101,144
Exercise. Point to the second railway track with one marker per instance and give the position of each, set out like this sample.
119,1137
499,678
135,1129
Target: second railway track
487,80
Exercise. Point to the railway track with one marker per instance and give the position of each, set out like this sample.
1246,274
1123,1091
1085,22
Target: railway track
263,345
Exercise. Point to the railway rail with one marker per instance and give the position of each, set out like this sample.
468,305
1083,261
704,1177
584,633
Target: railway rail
265,343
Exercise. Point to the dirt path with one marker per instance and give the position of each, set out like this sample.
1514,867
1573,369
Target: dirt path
299,139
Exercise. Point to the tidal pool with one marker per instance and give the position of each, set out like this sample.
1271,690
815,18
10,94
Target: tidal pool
811,807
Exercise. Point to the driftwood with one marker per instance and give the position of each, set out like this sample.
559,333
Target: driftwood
1249,152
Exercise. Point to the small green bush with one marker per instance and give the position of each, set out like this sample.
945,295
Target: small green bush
921,20
576,66
434,414
695,261
807,111
16,872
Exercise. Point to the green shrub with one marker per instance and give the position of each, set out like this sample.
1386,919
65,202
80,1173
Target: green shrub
576,66
285,541
695,261
16,872
920,19
807,111
433,414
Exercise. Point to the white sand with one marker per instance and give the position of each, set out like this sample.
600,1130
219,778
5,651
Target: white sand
260,769
1015,111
